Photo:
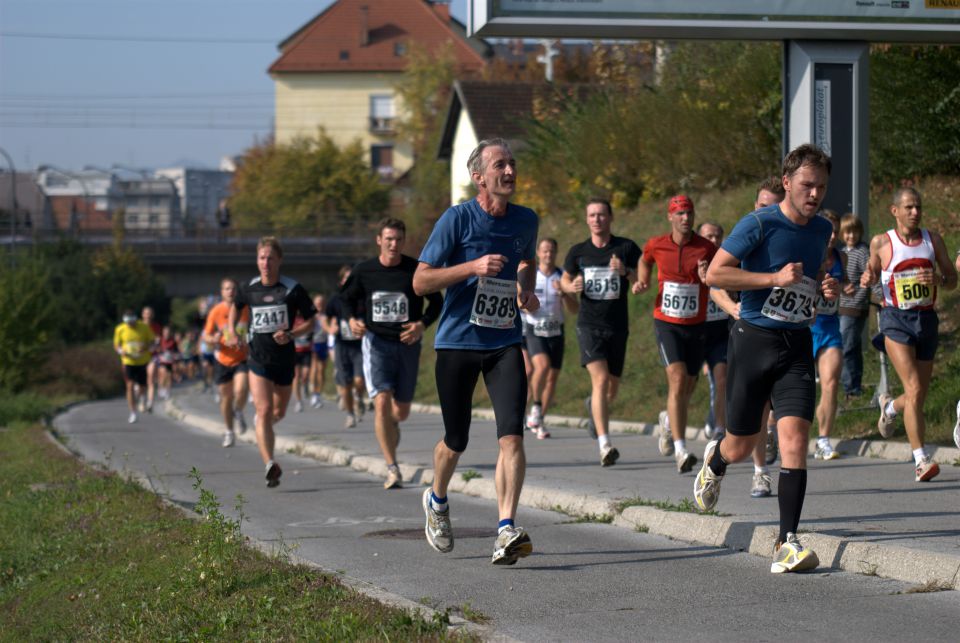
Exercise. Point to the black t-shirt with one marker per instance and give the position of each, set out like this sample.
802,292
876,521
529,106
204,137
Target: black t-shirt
386,292
273,308
335,311
603,302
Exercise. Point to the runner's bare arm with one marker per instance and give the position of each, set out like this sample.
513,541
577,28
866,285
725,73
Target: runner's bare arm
571,285
526,282
948,274
874,264
725,272
231,339
723,299
643,277
428,279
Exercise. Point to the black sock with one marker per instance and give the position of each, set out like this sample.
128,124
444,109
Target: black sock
717,463
537,403
790,493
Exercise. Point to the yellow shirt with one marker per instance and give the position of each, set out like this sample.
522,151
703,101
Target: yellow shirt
134,342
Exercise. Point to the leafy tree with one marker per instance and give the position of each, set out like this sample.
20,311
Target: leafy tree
92,289
914,111
424,93
713,121
309,184
26,320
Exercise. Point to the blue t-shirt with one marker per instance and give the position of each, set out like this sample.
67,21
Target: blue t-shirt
766,241
466,232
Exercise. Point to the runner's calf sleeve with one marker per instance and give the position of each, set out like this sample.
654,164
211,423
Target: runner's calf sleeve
791,490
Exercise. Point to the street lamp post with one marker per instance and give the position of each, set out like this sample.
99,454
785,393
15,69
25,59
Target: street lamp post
13,202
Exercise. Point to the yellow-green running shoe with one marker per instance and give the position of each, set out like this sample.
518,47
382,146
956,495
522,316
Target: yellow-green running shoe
791,556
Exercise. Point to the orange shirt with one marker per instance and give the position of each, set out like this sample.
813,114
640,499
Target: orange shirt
686,296
216,321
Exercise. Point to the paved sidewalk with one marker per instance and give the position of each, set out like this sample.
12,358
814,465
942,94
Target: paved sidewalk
862,514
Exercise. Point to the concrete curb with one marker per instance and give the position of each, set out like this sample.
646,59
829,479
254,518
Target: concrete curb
457,624
900,563
883,449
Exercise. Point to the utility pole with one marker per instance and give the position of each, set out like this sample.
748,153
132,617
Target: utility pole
546,58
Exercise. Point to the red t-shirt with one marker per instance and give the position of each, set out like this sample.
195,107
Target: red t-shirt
678,278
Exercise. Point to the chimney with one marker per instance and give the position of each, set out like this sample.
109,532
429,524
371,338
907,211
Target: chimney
442,9
364,27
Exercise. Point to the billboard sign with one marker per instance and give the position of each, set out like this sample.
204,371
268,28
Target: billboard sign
874,20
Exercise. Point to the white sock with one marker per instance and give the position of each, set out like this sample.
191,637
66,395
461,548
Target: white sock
919,454
823,441
889,411
763,469
603,441
680,446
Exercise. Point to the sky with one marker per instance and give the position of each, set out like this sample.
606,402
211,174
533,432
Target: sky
141,83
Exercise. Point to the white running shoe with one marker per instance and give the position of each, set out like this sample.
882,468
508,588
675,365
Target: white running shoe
685,461
825,451
316,401
956,427
885,423
228,439
534,418
665,439
350,422
216,396
132,419
298,407
609,456
512,544
437,528
791,556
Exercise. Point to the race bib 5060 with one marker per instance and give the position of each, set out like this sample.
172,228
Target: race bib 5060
910,292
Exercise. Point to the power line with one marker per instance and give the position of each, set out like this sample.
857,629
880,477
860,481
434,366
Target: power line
110,38
73,97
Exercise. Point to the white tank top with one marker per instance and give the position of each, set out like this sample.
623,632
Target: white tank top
551,301
898,278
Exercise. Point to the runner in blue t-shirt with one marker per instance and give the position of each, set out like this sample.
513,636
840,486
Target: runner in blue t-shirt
780,251
483,253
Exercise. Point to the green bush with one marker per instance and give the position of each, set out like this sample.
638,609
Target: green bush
26,320
91,289
23,407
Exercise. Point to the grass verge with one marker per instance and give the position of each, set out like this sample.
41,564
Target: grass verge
88,555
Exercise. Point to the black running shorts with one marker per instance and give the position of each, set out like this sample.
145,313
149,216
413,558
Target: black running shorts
506,381
716,334
225,374
135,374
603,343
680,343
552,346
768,364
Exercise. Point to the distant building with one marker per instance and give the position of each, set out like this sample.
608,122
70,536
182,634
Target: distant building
33,210
482,109
84,200
339,70
201,192
151,205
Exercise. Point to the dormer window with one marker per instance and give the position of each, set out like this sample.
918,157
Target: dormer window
344,54
399,49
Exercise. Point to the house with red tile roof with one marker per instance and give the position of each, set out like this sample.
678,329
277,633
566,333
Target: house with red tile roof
339,71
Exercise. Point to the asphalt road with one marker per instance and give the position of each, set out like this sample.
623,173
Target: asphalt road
584,581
